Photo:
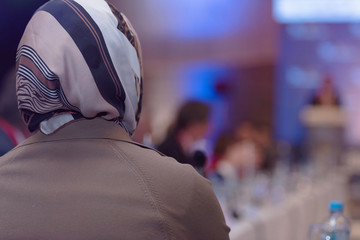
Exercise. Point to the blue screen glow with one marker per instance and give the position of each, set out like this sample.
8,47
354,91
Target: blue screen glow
326,11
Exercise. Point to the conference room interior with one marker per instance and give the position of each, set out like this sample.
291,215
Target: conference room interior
260,65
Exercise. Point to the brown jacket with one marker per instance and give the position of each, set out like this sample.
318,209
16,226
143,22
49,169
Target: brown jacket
90,181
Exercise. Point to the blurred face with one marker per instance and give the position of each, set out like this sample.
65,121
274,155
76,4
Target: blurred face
198,130
188,136
244,132
244,154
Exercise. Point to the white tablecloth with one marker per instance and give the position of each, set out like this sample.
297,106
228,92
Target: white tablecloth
291,218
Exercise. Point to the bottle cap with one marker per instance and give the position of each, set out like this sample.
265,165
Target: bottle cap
336,206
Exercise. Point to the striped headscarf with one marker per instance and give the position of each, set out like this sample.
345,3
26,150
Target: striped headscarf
78,59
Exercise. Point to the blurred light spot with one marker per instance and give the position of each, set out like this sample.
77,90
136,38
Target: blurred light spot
197,19
300,78
355,29
326,51
355,76
199,81
340,52
306,31
332,11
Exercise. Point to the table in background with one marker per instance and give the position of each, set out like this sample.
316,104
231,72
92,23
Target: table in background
291,218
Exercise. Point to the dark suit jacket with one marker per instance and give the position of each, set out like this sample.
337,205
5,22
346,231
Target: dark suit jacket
171,147
90,181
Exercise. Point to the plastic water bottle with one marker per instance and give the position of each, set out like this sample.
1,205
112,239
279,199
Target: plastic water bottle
335,227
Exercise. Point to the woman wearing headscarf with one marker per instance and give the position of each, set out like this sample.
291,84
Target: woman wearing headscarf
79,176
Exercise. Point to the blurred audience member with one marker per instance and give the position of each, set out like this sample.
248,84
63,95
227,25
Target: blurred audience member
245,152
267,148
245,131
250,137
12,129
221,145
234,159
191,125
225,164
259,136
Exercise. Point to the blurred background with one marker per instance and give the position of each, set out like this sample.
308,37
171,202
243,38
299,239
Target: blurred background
257,60
263,63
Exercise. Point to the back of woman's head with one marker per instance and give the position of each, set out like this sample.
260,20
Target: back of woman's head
79,59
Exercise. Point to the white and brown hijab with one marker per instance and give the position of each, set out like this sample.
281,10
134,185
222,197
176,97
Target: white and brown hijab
78,59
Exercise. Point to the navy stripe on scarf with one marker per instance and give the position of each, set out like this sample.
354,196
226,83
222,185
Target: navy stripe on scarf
89,39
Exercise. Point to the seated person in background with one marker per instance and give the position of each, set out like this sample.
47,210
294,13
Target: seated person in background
221,166
240,159
237,158
258,136
222,143
266,148
79,176
190,126
245,131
